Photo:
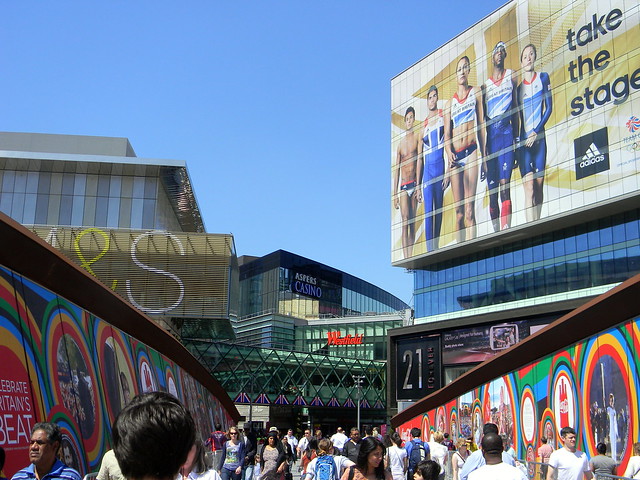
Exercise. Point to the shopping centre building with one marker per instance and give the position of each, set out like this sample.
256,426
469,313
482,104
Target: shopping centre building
515,194
289,339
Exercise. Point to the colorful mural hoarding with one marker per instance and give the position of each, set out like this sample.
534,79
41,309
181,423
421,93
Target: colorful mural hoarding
592,386
531,114
60,363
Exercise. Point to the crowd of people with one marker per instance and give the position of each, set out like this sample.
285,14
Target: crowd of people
154,438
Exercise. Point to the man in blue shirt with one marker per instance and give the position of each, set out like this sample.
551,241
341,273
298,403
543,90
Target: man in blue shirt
476,459
43,455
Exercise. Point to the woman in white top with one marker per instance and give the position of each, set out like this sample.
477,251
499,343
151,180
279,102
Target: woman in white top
459,457
397,460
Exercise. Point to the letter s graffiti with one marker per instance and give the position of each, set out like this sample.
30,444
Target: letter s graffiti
157,271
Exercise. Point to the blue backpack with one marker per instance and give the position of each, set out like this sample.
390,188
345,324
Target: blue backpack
325,468
419,452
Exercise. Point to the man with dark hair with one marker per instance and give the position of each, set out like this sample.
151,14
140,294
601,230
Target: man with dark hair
43,455
570,463
476,459
153,436
502,132
216,441
352,447
417,451
492,448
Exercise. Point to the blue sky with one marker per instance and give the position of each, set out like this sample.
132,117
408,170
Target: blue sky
280,109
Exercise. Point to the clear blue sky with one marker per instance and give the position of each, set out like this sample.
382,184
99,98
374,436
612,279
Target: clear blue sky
280,109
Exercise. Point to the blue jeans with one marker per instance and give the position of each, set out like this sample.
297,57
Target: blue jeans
247,472
227,474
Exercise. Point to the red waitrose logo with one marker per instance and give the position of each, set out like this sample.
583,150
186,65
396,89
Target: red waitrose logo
336,339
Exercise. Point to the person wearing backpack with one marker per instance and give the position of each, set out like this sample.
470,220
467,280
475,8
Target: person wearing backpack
417,451
325,466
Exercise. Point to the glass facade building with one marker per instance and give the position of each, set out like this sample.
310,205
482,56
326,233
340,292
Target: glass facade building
574,261
281,291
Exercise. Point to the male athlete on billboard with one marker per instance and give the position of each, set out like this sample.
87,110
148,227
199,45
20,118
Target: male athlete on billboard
534,98
405,175
462,113
502,131
431,176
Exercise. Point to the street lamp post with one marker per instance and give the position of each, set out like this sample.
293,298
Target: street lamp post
358,381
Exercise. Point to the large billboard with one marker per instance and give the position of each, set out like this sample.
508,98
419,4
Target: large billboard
530,115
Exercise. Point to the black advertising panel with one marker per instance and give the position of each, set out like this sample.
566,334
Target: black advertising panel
418,367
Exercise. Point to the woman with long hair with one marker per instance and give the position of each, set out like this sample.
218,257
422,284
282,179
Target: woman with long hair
459,457
230,466
397,460
369,465
272,458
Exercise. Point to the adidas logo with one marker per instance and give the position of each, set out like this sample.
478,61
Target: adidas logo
592,156
591,153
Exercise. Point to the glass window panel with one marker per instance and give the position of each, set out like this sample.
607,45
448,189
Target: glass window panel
67,183
8,181
66,204
114,186
103,186
6,200
42,207
136,213
20,185
77,210
29,214
80,184
91,186
32,182
102,204
148,215
138,187
44,182
17,207
150,187
113,212
55,188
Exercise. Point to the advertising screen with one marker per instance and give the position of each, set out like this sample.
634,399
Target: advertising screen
531,115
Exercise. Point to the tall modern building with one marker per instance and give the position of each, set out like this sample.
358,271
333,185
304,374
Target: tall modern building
527,163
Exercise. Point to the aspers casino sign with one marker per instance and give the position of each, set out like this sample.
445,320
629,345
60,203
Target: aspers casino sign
306,285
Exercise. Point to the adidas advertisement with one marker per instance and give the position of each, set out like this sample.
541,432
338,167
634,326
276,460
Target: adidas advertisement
592,153
527,116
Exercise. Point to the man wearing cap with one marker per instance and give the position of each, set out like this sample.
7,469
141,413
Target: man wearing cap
492,447
500,99
431,172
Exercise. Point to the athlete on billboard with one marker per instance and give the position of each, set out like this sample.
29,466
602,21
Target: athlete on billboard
432,173
461,115
502,131
405,176
534,99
